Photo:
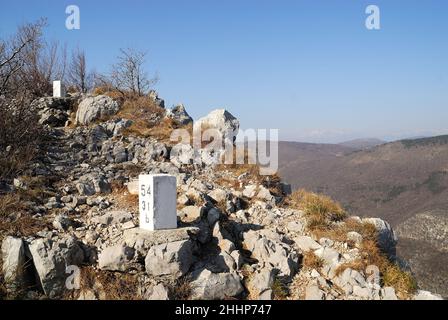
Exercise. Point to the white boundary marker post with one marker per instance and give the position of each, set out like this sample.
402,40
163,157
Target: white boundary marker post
58,89
157,201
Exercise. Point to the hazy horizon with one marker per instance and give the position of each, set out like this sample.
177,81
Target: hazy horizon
308,68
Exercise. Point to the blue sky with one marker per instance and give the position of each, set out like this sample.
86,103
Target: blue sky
308,68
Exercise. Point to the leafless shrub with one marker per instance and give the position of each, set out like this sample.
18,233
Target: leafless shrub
26,67
28,63
128,73
20,135
78,76
14,54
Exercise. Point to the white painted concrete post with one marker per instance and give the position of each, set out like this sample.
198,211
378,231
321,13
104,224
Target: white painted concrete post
157,201
58,89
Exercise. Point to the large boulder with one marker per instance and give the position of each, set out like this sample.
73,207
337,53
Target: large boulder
215,286
221,120
95,107
51,259
179,115
13,256
173,258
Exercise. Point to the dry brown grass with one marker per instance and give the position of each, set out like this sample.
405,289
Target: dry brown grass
403,282
161,131
391,274
19,130
11,164
8,203
323,229
311,261
250,174
229,182
322,213
245,270
316,205
181,289
141,109
123,198
109,91
113,285
23,226
252,171
14,216
148,119
14,220
357,265
279,290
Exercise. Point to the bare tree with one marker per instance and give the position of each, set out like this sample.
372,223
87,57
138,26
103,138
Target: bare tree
28,62
44,62
128,74
77,74
13,54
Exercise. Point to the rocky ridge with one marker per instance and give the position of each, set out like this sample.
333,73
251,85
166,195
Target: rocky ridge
235,236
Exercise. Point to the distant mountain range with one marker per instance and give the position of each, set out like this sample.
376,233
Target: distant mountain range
361,144
404,182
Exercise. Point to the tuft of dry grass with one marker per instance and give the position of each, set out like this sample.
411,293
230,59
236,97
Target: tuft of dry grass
279,290
9,165
148,119
114,285
357,265
8,202
316,205
181,289
403,282
111,92
23,226
142,110
318,224
321,228
391,274
14,220
323,213
20,132
245,270
249,174
124,199
311,261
